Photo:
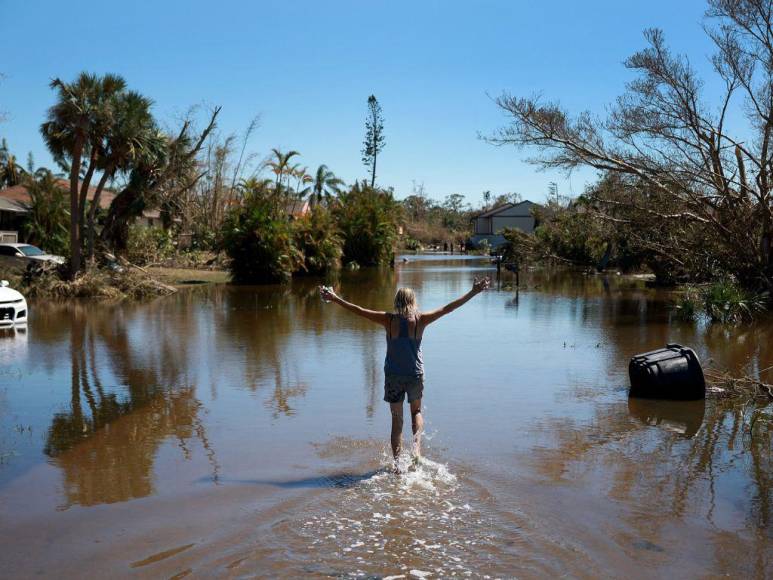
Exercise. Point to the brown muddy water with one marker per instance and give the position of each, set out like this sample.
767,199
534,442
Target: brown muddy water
240,432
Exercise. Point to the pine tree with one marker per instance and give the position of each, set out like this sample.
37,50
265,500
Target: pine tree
374,137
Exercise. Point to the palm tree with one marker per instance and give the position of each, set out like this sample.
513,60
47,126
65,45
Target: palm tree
254,186
325,185
75,125
280,165
302,177
10,172
126,142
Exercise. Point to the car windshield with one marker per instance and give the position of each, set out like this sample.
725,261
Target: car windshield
31,251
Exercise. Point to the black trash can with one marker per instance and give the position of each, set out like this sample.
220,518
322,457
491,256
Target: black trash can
673,372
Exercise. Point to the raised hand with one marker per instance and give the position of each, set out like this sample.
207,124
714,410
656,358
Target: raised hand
480,284
326,293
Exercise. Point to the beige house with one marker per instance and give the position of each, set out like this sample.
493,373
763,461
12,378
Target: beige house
489,224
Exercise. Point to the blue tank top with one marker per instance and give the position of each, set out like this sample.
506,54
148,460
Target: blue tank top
403,357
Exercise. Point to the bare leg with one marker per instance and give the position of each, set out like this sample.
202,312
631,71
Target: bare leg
397,427
417,424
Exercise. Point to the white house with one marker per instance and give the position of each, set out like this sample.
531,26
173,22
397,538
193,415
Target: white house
489,224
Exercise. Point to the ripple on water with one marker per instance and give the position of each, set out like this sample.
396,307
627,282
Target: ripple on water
414,525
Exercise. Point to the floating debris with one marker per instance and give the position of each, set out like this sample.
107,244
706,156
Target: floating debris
723,385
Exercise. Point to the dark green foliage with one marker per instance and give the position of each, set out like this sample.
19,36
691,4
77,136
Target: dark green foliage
688,305
519,247
368,219
259,239
572,233
618,223
723,301
726,301
318,239
412,244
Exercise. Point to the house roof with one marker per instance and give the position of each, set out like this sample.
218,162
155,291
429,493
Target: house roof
499,209
17,198
19,193
12,206
297,208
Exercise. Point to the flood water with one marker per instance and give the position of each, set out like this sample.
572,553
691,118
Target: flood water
240,432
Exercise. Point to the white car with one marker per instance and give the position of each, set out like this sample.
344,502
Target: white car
13,307
21,255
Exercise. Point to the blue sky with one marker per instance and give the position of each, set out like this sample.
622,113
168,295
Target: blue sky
308,67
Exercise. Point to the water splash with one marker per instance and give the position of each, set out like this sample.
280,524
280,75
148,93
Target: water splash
415,524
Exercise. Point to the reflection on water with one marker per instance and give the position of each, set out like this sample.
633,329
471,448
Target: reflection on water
689,465
682,417
106,440
241,431
114,461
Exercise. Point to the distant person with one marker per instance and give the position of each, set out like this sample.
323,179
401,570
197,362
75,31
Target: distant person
404,367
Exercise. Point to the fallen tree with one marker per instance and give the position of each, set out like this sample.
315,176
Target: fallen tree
663,139
166,171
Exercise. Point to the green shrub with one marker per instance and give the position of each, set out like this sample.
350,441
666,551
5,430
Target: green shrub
518,247
412,244
48,221
689,304
259,239
203,240
368,219
148,245
726,301
318,239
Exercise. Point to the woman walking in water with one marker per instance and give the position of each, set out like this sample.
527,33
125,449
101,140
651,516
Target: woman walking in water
404,367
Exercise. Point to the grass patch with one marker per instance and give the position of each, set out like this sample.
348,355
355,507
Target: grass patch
189,276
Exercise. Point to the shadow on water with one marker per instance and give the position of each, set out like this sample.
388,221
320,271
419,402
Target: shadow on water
336,480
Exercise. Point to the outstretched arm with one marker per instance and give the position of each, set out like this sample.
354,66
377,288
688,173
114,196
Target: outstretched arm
478,286
377,316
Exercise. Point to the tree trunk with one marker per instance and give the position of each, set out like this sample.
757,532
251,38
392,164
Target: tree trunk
84,193
373,172
75,244
93,211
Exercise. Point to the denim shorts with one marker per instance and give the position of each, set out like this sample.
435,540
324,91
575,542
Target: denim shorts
396,387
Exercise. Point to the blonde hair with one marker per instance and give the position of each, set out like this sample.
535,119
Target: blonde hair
405,303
